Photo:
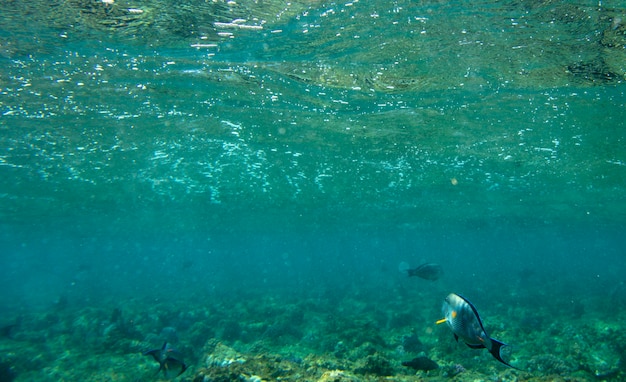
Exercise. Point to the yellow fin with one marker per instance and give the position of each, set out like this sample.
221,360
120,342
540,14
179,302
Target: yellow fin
441,321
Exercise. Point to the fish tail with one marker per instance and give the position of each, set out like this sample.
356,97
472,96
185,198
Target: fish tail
495,351
182,369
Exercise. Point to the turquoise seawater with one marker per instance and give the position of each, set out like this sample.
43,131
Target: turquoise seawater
249,175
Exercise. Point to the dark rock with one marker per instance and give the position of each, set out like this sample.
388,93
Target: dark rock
411,343
7,331
169,334
280,332
116,316
375,364
232,331
7,374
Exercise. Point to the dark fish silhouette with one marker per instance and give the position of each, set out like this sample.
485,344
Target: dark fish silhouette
187,264
170,360
428,271
464,321
421,363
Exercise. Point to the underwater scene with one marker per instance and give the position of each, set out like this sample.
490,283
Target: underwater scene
260,190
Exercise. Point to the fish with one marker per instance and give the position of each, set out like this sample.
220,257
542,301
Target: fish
170,360
421,363
463,319
427,271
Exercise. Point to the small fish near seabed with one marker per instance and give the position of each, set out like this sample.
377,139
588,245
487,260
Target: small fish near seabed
170,360
464,321
428,271
421,363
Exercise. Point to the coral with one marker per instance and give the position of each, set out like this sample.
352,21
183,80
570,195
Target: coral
222,356
231,330
456,369
374,364
239,343
281,332
551,364
337,376
411,343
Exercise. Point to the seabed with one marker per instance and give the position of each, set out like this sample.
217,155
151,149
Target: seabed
258,338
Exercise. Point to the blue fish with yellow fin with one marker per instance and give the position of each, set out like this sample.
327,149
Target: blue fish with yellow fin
463,319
